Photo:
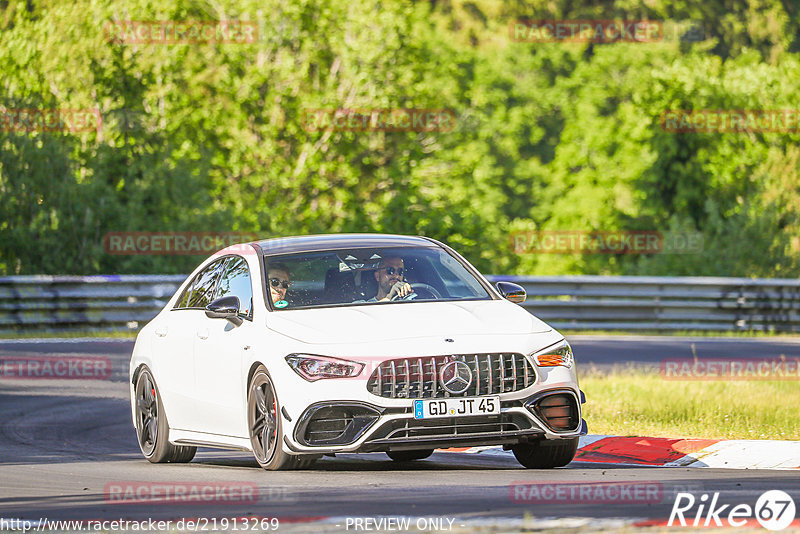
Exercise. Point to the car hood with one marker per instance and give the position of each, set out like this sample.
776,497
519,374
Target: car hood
387,322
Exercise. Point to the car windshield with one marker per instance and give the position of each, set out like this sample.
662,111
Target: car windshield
366,276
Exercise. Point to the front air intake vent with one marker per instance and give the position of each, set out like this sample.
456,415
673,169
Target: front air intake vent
559,411
334,424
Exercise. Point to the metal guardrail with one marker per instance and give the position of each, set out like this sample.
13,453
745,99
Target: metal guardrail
662,303
82,303
125,302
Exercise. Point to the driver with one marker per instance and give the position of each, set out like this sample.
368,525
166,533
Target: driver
389,276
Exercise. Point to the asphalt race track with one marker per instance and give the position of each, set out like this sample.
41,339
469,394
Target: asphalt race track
68,446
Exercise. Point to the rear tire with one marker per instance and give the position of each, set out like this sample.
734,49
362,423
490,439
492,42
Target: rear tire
546,454
266,427
409,456
152,428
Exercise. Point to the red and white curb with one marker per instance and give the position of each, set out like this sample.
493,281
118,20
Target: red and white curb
666,452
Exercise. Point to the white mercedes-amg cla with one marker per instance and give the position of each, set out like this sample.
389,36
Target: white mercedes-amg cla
297,347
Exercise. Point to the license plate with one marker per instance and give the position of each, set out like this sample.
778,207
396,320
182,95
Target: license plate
428,409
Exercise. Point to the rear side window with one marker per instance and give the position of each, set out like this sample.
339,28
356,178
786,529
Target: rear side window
235,281
200,291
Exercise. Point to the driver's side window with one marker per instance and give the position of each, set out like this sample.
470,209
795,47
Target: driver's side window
235,281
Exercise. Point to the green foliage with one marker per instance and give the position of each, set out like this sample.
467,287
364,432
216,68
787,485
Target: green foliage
549,136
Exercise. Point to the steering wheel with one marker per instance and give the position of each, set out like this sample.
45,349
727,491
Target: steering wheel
416,287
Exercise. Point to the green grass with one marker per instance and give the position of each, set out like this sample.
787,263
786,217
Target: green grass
639,403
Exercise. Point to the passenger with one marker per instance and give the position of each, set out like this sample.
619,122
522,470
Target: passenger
279,281
390,277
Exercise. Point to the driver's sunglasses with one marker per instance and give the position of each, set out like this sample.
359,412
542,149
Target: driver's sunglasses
391,270
275,282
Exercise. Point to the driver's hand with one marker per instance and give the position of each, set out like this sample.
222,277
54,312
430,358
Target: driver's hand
399,290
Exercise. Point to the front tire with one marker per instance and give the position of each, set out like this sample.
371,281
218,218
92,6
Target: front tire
152,428
546,454
265,426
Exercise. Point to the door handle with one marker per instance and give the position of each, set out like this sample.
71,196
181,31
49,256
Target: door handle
161,331
202,334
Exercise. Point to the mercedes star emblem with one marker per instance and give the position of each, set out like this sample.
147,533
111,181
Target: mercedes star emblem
456,377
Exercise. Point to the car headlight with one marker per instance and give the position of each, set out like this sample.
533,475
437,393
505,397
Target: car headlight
558,354
314,368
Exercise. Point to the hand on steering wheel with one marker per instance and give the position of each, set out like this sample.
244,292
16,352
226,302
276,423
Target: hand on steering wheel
415,291
400,290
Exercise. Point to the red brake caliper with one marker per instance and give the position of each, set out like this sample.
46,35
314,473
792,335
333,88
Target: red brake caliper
275,409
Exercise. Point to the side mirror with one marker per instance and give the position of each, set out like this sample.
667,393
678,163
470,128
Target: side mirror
513,292
225,308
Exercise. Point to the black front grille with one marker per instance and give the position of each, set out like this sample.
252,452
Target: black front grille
417,378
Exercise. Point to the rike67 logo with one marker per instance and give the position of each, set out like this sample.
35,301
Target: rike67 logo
774,510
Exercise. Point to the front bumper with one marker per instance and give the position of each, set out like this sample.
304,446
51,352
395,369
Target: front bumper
357,426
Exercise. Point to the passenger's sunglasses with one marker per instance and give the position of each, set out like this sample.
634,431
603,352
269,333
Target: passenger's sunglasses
275,282
391,270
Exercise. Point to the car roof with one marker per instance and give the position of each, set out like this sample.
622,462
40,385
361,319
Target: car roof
312,243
